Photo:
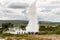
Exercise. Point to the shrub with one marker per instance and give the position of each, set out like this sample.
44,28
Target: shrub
43,32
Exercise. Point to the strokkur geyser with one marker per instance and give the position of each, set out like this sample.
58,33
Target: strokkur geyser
33,22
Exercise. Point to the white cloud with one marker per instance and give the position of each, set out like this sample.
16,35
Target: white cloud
48,10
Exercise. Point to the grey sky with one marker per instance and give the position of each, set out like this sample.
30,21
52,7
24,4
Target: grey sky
47,10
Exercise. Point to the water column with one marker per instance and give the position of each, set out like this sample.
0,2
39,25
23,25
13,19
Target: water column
33,22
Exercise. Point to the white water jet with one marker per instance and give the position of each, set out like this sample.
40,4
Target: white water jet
32,16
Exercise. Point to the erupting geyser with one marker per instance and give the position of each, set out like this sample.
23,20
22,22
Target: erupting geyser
33,22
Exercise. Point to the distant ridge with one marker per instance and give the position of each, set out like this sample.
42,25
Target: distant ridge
24,21
13,21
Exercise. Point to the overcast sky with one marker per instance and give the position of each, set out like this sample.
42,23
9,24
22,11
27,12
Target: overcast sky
47,10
